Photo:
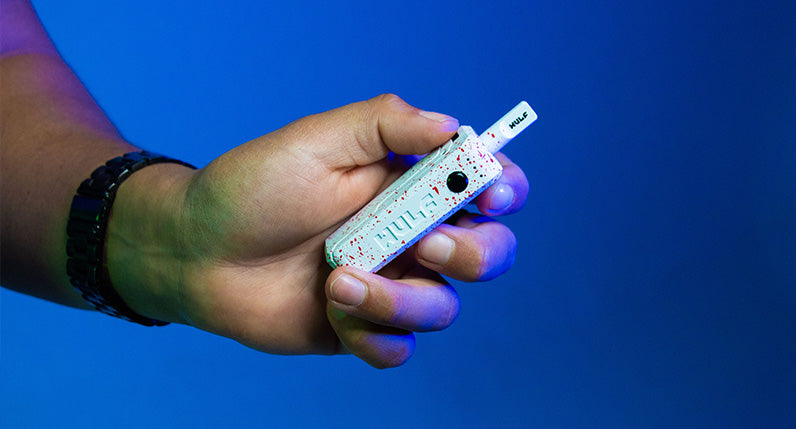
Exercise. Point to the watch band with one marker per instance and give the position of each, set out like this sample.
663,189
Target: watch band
86,228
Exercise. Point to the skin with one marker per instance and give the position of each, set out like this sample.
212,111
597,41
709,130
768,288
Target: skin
236,248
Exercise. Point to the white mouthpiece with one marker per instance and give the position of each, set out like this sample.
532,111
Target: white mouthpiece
505,129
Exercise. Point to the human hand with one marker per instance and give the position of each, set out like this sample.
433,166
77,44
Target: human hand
236,248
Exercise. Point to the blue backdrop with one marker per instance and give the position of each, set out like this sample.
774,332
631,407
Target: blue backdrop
655,283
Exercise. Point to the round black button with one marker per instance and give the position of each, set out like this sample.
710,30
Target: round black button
457,181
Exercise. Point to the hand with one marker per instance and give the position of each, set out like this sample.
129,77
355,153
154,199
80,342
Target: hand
236,248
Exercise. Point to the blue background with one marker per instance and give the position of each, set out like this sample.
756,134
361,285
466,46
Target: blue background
655,284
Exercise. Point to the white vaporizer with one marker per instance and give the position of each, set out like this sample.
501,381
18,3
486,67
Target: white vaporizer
431,191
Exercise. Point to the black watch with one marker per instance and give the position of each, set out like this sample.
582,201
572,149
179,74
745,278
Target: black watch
88,221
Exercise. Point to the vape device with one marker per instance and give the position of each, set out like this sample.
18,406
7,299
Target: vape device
432,190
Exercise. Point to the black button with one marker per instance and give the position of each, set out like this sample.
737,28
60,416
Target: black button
457,181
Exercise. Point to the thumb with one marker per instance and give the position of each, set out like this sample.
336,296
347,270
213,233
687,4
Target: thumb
365,132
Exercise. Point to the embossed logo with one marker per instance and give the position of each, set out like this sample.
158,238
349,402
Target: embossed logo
406,222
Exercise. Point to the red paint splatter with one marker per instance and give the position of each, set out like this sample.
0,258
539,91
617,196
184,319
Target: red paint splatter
435,190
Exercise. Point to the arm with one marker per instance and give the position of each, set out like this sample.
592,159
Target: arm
236,247
53,136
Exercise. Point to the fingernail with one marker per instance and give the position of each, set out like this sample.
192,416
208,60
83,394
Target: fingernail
347,290
450,123
502,198
436,248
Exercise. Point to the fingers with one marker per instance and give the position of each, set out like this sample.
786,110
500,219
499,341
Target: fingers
421,301
476,248
508,194
362,133
374,316
379,346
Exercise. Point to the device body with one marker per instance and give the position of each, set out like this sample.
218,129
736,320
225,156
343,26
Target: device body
426,195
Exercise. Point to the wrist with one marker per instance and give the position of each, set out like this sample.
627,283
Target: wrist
144,244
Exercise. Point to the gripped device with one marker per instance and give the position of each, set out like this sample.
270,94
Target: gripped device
431,191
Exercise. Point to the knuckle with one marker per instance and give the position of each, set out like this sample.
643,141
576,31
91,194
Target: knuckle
387,99
451,312
389,102
395,310
482,268
480,257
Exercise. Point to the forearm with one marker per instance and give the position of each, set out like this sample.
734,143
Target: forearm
52,136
